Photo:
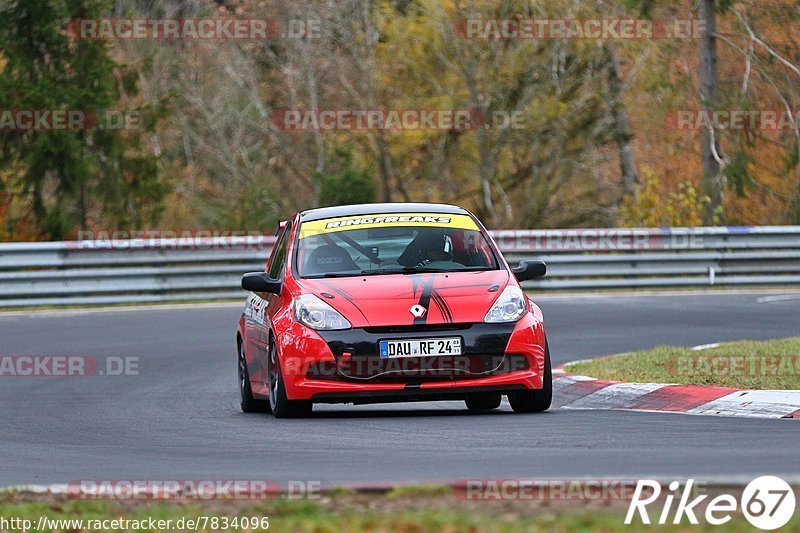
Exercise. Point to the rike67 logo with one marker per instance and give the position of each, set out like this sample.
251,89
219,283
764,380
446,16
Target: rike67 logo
767,502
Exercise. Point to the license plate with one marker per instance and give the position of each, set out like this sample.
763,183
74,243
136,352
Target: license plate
420,347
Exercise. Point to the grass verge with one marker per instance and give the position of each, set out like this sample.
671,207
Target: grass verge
428,510
773,364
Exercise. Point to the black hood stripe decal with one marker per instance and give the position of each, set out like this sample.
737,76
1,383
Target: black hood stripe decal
424,297
443,307
438,302
430,293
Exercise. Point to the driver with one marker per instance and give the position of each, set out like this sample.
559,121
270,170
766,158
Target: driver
433,246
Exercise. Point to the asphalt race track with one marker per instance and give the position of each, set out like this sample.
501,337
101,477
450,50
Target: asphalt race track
179,418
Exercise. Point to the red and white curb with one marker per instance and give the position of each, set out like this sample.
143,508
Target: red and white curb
583,392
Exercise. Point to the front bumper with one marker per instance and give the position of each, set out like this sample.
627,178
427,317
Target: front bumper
345,367
412,394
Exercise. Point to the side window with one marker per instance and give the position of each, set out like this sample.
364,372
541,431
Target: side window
278,259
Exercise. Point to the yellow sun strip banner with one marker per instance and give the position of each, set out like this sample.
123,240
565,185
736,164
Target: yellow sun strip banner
389,220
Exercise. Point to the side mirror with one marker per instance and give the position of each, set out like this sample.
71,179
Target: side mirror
260,282
530,270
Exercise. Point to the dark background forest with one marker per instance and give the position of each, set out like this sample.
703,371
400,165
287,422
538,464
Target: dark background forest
593,146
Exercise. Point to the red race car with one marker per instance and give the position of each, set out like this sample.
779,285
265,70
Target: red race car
390,303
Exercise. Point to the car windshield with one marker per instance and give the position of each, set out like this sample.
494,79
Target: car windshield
392,244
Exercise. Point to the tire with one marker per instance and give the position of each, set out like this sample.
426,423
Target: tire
280,405
536,400
248,403
483,402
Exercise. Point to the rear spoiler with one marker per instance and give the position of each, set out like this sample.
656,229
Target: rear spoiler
280,226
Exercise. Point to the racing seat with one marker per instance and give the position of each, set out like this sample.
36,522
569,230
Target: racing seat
329,258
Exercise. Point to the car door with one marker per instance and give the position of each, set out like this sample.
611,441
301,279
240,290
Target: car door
264,306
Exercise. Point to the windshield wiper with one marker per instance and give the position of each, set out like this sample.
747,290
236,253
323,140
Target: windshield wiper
398,270
370,272
336,275
406,270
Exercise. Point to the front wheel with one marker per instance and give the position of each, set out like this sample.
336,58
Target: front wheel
248,403
281,406
536,400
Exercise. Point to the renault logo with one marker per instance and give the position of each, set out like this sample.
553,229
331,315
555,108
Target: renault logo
417,310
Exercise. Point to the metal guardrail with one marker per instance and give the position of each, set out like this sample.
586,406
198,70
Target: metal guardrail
162,270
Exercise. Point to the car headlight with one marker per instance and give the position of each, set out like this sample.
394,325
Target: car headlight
316,314
509,306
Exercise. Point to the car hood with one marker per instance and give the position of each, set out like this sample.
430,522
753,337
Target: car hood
386,300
